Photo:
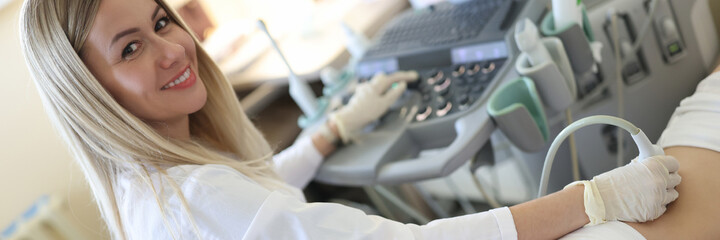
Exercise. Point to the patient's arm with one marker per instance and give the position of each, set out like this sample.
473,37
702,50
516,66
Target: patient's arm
696,213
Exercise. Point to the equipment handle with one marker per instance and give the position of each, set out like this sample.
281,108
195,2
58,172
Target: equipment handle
473,131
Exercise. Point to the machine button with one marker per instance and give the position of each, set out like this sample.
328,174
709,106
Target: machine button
459,71
444,81
435,78
674,48
444,109
669,28
426,98
463,101
423,113
488,67
439,102
626,48
473,70
443,86
630,70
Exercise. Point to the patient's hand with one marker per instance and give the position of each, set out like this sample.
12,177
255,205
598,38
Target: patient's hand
639,191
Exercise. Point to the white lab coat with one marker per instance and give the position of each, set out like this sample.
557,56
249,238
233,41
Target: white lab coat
229,205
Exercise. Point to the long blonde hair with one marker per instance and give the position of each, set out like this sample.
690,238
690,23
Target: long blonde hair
102,135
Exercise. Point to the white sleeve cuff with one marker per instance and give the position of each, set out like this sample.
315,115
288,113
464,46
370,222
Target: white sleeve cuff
506,224
297,164
309,151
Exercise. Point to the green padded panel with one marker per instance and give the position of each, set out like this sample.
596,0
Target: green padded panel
519,93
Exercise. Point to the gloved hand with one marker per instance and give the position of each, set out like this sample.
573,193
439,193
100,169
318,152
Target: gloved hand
370,101
636,192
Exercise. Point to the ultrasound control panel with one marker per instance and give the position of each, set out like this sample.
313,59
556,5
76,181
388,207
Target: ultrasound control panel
444,110
448,90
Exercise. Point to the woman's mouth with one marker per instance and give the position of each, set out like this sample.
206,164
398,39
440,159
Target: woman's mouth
186,79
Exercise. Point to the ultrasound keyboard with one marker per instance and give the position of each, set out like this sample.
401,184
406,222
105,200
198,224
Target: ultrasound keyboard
438,25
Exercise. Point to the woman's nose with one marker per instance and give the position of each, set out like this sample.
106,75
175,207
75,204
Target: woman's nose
170,53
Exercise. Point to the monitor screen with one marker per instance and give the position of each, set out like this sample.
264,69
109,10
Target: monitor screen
369,68
478,52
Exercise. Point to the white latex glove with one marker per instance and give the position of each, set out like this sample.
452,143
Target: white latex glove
636,192
370,101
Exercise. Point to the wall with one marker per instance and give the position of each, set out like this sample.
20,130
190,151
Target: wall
33,159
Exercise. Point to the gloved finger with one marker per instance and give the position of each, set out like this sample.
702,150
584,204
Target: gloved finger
382,82
661,164
393,94
377,80
671,195
673,180
406,76
670,163
378,76
662,209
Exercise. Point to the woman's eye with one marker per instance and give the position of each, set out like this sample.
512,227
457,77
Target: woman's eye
162,23
130,49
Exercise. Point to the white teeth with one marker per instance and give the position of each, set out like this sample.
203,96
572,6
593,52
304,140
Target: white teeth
180,79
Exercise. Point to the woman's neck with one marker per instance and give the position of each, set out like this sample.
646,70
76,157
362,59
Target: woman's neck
177,128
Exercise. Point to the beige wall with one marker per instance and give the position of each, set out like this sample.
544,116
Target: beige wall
33,159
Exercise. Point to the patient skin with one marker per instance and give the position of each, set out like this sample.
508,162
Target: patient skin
696,213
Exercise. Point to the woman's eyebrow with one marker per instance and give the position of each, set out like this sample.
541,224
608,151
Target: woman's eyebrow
157,9
133,30
123,33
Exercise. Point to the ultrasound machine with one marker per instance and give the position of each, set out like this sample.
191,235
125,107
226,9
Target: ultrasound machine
466,51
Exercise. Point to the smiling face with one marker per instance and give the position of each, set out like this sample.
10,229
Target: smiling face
147,63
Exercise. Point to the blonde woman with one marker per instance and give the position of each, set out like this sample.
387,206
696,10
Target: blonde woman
169,154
